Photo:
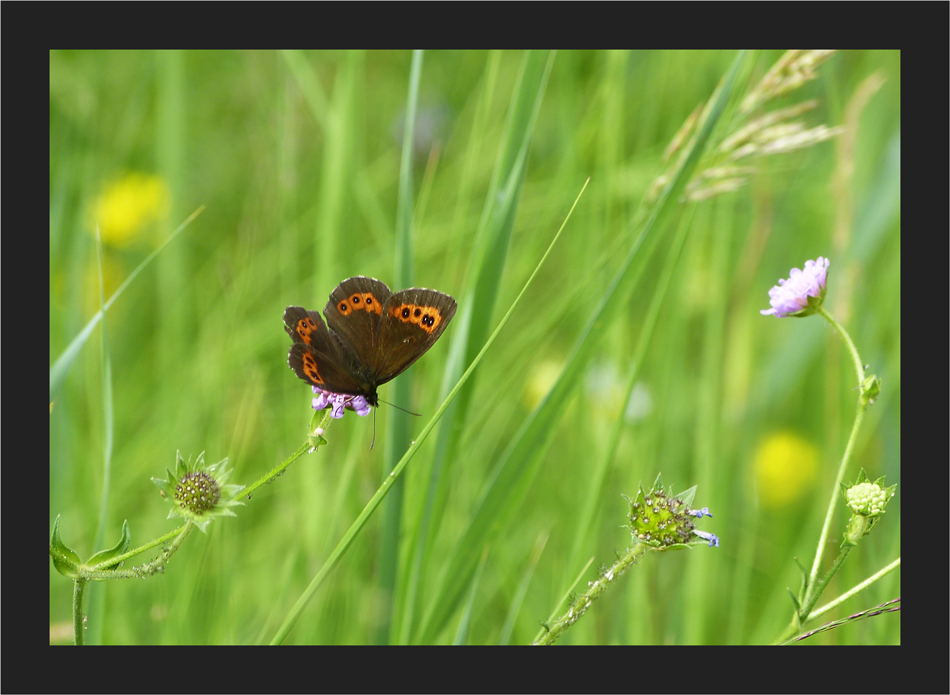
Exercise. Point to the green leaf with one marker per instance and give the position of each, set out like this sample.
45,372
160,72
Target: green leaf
798,606
687,496
99,560
65,559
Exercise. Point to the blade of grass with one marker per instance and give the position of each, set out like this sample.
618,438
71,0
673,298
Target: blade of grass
522,458
398,433
518,600
489,260
335,116
461,634
94,606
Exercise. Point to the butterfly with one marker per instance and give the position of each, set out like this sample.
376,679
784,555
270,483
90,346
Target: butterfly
371,335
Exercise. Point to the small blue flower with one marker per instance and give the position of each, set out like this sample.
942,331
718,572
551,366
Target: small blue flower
711,537
802,293
339,402
700,512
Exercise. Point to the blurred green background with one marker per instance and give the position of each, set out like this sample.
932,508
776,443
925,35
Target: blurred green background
296,157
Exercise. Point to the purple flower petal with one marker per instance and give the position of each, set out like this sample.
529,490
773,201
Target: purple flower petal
360,406
790,297
321,401
339,406
339,402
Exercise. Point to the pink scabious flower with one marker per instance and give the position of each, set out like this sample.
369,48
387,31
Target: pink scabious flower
339,402
803,293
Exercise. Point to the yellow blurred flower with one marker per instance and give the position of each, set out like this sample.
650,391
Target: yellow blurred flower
126,205
785,468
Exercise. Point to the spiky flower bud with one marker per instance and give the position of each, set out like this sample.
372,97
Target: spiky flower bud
198,492
866,500
662,520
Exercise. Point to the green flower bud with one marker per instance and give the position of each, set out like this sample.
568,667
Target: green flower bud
199,492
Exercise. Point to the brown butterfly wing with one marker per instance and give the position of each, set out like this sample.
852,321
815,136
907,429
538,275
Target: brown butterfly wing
412,320
317,356
353,314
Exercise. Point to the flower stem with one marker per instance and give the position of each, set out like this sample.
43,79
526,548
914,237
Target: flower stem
277,470
814,593
813,589
148,569
855,357
79,618
580,605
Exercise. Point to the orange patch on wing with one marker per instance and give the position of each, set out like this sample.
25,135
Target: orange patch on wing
427,318
360,300
310,368
305,328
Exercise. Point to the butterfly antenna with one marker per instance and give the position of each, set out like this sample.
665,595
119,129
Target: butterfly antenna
402,409
373,443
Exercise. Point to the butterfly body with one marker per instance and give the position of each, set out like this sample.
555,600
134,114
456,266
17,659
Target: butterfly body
370,337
